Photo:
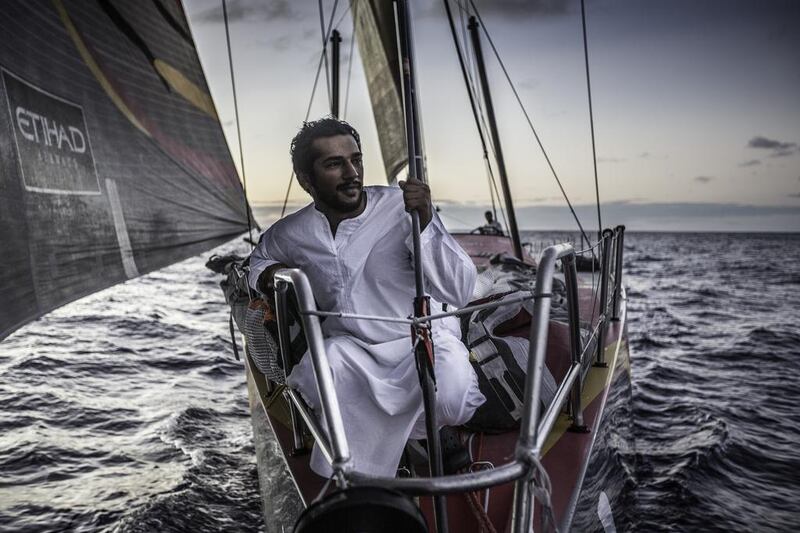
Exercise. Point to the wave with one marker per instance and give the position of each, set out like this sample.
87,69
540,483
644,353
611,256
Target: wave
126,411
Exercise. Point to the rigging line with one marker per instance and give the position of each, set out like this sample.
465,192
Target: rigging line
310,103
493,192
349,55
530,123
344,14
308,113
325,50
467,80
489,171
473,90
456,219
591,117
589,249
492,180
238,127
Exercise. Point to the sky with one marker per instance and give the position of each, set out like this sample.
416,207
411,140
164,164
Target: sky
696,106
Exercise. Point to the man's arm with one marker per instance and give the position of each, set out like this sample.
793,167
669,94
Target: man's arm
449,272
265,260
266,281
417,197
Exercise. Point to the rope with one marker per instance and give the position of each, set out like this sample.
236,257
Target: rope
484,522
467,83
542,489
481,513
354,6
591,117
325,49
344,14
589,249
310,102
528,119
600,321
238,127
478,90
456,219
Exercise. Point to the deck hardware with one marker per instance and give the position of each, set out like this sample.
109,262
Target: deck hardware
329,403
525,470
618,249
608,235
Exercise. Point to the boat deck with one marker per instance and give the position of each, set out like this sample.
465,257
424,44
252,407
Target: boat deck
566,455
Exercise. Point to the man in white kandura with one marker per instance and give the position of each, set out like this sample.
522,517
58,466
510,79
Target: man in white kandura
354,243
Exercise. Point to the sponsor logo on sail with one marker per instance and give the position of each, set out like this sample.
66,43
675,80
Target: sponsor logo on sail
52,141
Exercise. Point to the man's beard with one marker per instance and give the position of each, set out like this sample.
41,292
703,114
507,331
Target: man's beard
339,201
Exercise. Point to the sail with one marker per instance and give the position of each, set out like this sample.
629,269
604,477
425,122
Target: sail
377,43
112,159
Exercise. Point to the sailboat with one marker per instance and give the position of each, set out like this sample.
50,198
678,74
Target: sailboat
540,451
114,164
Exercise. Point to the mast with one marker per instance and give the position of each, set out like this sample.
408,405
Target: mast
423,344
335,40
501,164
413,138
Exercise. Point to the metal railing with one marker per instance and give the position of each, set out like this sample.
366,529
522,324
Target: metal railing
534,428
338,450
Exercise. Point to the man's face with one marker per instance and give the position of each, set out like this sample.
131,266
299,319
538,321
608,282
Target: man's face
337,174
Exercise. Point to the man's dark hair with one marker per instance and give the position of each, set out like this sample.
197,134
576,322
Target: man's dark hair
303,154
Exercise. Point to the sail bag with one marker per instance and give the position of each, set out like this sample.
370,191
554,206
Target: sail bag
498,343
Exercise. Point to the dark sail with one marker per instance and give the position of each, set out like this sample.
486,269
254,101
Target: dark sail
112,159
377,44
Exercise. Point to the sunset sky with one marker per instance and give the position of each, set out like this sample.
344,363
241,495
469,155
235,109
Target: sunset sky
697,106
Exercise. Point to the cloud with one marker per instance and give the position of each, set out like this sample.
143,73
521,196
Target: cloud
633,200
250,10
769,144
703,179
650,155
541,199
529,84
751,163
779,148
514,8
281,43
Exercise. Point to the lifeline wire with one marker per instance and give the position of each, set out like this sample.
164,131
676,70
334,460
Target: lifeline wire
422,321
238,129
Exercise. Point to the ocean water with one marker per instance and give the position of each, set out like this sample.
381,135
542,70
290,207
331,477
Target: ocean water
126,411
